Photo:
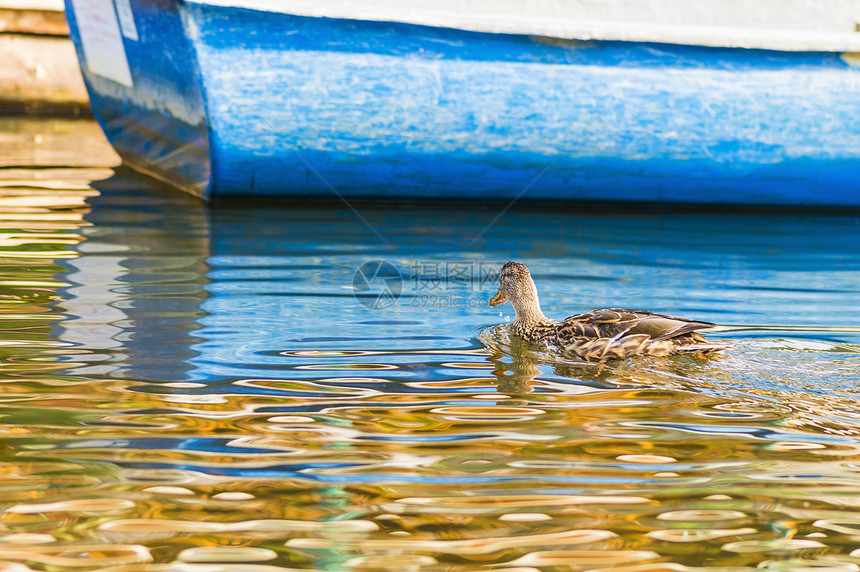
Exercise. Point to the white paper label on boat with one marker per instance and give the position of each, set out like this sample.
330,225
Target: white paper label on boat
104,52
126,19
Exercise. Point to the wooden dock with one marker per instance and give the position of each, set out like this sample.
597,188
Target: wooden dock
40,73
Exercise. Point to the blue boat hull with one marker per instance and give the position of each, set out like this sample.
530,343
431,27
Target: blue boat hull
291,106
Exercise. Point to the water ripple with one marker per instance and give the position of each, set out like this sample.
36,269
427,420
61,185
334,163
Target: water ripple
195,388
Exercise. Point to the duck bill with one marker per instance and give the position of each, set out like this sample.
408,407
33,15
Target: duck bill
498,299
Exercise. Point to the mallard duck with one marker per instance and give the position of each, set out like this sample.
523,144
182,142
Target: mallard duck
599,335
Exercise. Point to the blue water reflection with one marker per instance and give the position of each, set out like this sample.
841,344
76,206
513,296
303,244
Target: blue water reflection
281,280
241,291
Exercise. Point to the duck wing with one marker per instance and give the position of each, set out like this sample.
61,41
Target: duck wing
617,333
616,323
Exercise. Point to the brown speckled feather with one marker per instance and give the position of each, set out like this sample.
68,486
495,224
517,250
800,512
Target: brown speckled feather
618,333
620,322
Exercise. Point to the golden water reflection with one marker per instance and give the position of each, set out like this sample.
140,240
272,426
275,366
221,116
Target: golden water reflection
585,479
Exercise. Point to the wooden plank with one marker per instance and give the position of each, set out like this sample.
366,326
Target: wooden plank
40,74
32,21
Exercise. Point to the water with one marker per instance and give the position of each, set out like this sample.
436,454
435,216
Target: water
194,388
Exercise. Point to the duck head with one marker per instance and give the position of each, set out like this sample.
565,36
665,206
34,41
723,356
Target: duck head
515,283
517,287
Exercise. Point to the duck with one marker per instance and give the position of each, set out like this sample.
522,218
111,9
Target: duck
600,335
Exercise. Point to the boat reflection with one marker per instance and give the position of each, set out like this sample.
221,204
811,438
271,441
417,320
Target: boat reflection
137,283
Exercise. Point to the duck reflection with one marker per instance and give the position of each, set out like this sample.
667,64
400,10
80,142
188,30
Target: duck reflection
517,365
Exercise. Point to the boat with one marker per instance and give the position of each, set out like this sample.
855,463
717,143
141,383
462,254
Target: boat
713,102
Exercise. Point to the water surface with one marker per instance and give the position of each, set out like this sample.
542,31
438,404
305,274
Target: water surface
216,388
